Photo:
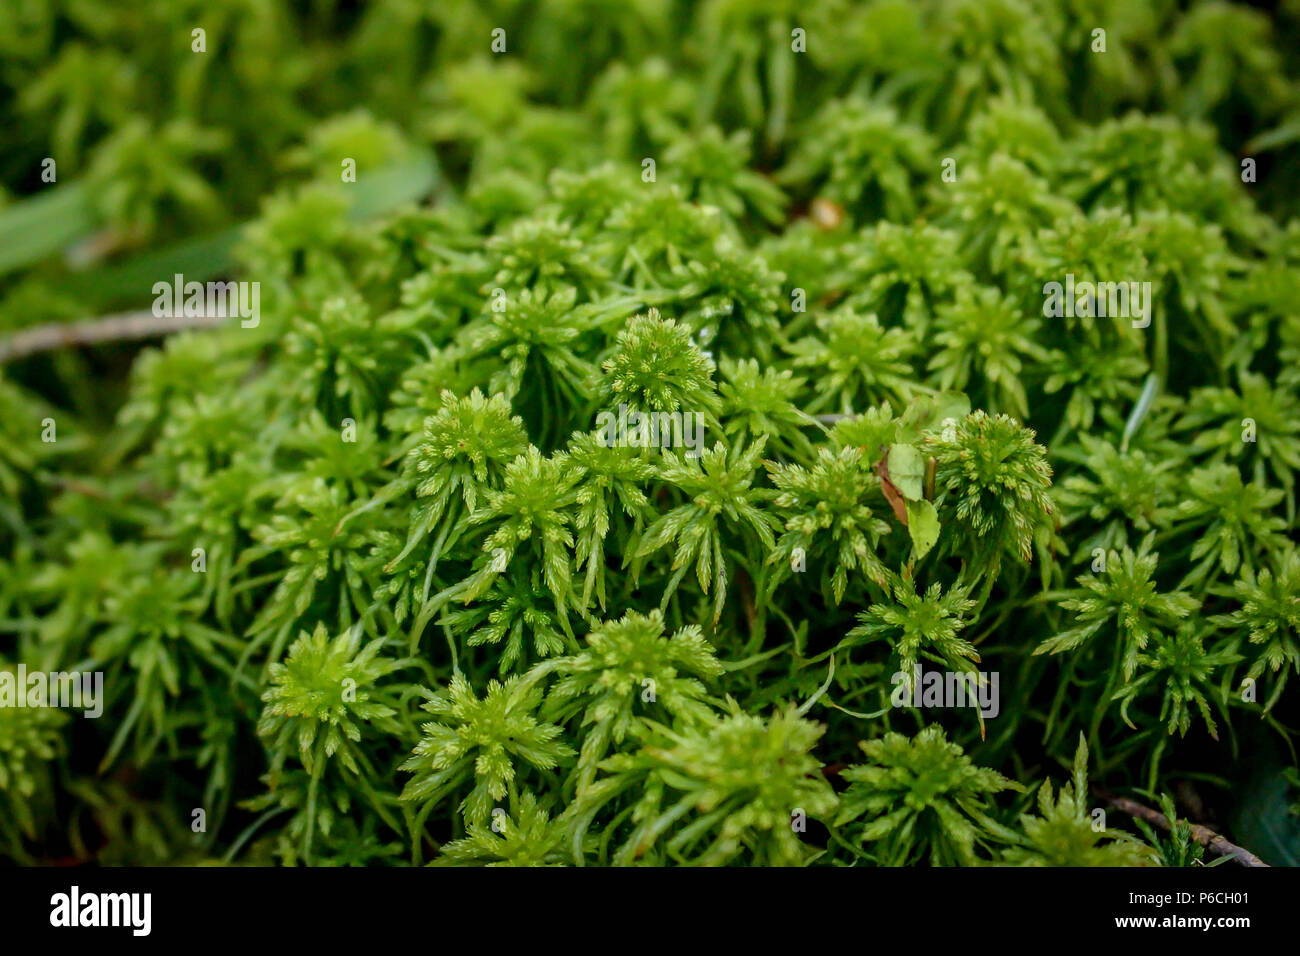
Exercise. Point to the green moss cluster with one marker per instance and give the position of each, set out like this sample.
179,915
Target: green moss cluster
669,385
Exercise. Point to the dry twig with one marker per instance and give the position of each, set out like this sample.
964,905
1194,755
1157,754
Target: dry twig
125,326
1202,835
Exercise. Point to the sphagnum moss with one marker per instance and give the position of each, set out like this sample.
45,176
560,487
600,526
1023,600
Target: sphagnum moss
592,510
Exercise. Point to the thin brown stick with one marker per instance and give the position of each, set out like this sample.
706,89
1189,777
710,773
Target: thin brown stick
110,328
1202,835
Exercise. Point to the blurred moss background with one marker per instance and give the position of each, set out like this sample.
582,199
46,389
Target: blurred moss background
158,147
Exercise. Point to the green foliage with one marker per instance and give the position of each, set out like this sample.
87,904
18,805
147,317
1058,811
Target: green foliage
718,485
627,666
920,625
656,367
827,515
531,838
991,487
723,786
29,741
1179,847
418,479
1124,602
1063,833
923,799
1270,617
483,741
319,695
